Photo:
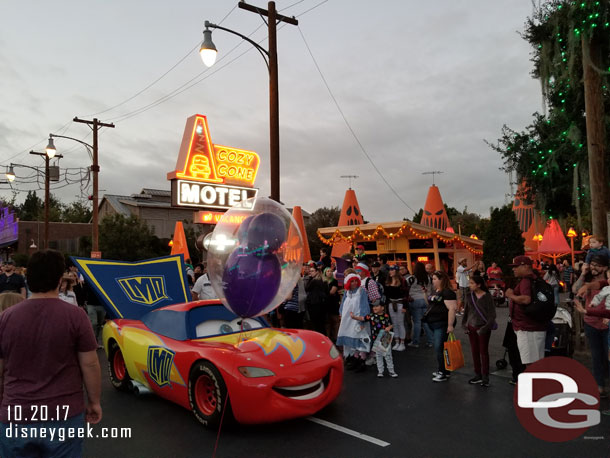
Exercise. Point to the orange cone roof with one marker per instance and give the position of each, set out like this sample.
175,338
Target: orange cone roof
297,214
434,211
553,240
179,245
350,216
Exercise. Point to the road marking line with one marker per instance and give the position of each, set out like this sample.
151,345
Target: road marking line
351,432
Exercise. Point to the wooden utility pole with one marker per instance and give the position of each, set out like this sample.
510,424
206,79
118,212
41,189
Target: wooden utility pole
274,97
95,168
596,133
47,191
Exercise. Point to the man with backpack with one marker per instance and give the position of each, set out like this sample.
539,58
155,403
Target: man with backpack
528,313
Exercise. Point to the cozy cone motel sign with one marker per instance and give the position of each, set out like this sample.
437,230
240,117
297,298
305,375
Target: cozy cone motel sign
211,177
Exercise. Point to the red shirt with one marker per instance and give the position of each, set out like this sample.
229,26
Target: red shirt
594,319
39,342
521,321
495,274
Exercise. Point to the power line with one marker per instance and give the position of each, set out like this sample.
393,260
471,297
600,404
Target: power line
160,77
349,125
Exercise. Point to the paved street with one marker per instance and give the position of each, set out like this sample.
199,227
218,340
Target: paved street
416,417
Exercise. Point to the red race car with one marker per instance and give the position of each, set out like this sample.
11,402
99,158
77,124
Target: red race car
204,358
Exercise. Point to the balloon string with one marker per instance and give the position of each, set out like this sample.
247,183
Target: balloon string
222,416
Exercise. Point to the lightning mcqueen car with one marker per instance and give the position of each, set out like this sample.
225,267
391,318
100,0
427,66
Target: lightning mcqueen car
202,357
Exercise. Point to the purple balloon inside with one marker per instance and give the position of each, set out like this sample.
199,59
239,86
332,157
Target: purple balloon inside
242,232
266,233
250,282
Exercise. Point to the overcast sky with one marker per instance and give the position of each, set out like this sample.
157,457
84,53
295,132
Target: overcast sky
422,84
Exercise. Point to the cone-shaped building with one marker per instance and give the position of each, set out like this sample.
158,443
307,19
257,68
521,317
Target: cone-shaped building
434,210
179,242
297,214
350,216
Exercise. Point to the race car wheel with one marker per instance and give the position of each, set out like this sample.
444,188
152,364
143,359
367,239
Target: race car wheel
208,395
116,367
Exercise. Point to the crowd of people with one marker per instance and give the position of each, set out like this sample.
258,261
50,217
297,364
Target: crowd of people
369,309
424,307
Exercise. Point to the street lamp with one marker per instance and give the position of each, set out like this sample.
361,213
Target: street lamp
537,238
47,157
10,175
572,234
208,53
51,151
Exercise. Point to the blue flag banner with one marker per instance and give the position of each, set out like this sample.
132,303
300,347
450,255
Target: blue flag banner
131,289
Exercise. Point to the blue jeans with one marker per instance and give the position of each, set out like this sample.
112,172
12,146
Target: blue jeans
598,342
439,329
13,445
97,315
556,292
417,308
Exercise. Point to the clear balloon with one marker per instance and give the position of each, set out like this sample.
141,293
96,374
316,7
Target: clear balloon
255,256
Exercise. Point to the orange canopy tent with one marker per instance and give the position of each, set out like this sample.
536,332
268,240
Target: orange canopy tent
554,244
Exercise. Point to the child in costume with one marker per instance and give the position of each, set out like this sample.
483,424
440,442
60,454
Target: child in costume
352,335
379,320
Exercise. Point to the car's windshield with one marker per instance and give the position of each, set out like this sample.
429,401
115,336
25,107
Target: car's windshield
216,327
213,320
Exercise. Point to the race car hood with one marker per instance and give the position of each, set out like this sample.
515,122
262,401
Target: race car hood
132,289
286,346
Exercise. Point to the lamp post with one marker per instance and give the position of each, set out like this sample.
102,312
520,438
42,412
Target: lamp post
572,234
47,157
95,168
537,238
208,54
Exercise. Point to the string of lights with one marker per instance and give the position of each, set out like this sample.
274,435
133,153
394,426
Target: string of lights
405,230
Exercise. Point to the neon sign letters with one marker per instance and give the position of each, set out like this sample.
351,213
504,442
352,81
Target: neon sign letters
209,175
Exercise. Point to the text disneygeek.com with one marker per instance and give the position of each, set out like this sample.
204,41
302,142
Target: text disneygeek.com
62,433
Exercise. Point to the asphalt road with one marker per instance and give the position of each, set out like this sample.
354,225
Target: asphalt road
405,417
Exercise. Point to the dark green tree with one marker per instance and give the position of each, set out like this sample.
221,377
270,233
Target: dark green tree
468,223
417,216
191,233
322,217
32,208
76,212
502,238
551,153
128,239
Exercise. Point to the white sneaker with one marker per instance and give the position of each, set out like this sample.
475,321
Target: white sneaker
396,345
438,373
393,374
380,374
401,347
